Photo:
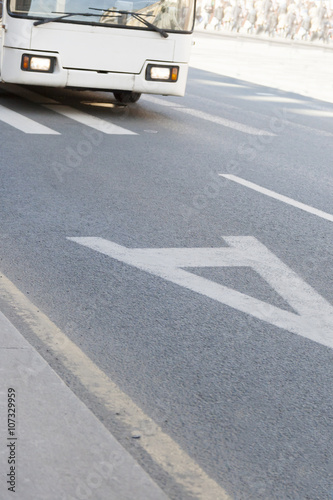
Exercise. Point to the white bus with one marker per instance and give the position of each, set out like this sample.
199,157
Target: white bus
126,47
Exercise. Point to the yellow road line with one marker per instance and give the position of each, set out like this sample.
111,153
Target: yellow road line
159,445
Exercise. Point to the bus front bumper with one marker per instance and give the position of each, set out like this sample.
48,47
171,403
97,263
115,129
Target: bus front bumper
12,72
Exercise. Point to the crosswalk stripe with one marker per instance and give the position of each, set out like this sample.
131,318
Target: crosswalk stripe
23,123
72,113
89,120
109,128
27,94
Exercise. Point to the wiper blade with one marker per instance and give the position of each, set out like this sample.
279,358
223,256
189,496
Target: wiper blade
139,17
64,15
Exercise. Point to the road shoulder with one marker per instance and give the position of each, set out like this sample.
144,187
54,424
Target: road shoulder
60,449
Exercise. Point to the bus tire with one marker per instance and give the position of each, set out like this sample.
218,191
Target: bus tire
126,96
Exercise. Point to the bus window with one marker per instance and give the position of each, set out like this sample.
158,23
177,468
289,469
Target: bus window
165,14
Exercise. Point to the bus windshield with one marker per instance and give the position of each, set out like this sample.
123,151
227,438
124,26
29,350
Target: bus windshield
174,15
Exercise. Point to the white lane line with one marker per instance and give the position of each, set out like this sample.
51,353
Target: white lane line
280,197
309,130
23,123
240,127
161,102
160,446
272,98
313,112
72,113
89,120
280,118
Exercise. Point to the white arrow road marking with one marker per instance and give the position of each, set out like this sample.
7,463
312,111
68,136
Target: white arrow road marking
314,318
23,123
280,197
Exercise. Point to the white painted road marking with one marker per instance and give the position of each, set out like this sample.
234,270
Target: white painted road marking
83,118
161,102
280,197
23,123
169,456
314,318
89,120
240,127
27,94
109,128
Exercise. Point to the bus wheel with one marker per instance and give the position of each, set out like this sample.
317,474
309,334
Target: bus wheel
126,96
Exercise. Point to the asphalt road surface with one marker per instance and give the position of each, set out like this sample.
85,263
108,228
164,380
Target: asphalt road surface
217,348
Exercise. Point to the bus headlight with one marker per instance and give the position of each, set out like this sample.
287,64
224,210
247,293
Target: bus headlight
37,63
162,73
